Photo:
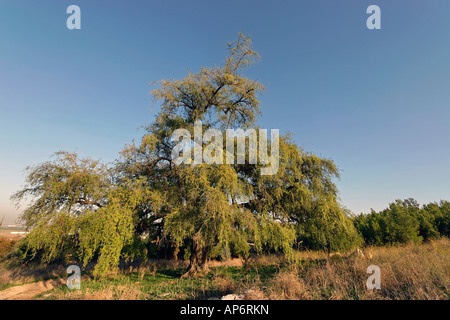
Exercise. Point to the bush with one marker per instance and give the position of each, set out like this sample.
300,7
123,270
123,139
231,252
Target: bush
6,246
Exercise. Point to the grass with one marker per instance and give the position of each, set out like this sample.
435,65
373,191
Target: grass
165,283
407,272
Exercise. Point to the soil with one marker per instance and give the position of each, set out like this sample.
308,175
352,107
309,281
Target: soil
30,290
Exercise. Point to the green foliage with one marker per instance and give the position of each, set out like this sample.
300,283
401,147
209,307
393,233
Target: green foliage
437,216
302,194
77,209
403,222
329,228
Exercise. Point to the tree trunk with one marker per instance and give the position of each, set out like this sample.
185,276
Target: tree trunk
175,252
197,263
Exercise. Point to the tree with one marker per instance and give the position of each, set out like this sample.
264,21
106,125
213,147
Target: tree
76,207
210,207
111,212
438,215
404,221
200,208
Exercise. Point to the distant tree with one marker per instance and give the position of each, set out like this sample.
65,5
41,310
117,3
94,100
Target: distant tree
438,215
404,221
370,227
402,225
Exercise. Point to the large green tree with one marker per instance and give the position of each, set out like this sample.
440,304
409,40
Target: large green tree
201,208
211,207
109,212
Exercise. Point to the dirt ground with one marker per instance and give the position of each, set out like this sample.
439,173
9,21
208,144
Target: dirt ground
30,290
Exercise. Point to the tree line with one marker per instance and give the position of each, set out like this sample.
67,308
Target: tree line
405,221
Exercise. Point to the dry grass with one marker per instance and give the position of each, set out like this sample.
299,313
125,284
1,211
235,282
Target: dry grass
265,260
119,292
255,294
419,272
227,263
287,285
225,283
415,271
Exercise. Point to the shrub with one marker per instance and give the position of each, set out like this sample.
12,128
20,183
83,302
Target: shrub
6,246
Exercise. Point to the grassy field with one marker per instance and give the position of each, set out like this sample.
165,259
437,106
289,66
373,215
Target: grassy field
407,272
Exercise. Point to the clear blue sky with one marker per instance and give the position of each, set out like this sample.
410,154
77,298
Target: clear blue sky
377,102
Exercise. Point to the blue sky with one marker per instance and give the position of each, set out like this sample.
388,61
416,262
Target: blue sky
377,102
